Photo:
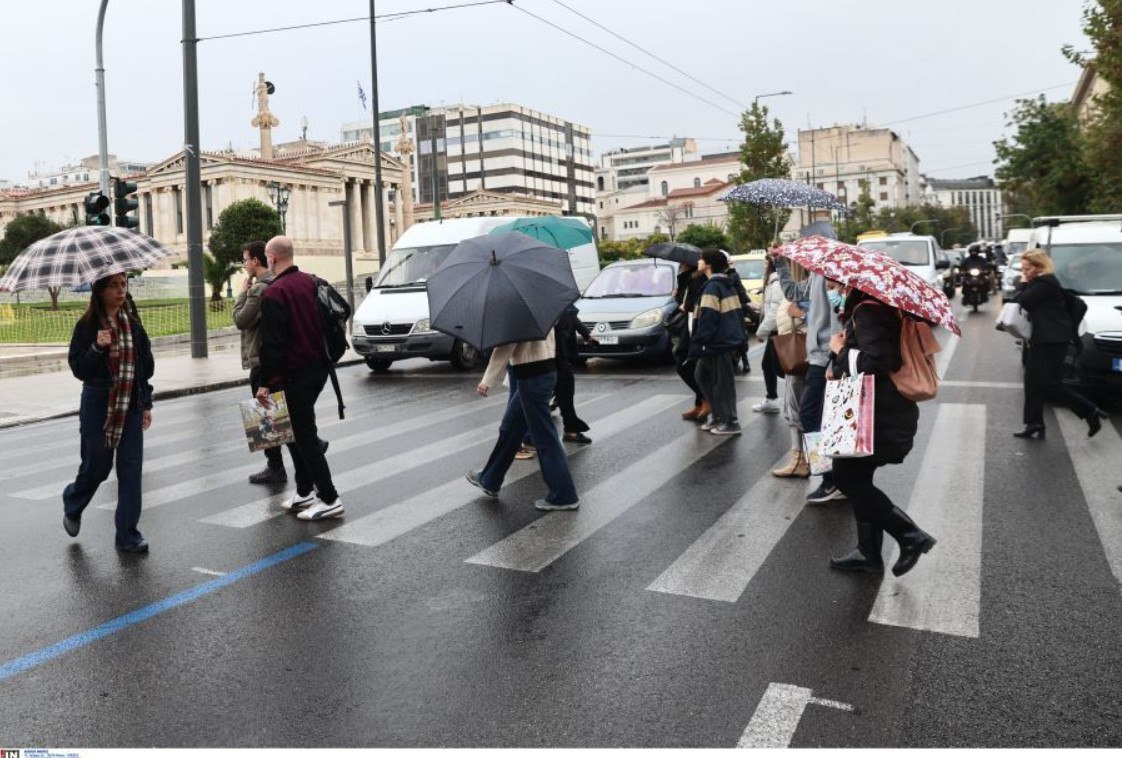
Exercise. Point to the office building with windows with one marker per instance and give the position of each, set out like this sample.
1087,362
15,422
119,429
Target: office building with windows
980,197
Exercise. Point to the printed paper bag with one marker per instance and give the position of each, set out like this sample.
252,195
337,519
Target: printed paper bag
819,464
269,426
847,417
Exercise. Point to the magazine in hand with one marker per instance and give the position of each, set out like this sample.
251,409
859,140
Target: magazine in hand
266,427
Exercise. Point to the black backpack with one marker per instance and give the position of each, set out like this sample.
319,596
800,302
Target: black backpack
335,312
1076,309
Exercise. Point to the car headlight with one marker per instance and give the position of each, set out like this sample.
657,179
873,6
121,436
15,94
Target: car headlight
358,330
421,327
646,318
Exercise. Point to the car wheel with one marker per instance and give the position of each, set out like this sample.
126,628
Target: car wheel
465,357
378,365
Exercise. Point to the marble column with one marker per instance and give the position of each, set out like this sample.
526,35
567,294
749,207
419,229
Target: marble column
354,199
369,243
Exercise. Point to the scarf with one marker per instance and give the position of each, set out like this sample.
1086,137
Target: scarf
122,371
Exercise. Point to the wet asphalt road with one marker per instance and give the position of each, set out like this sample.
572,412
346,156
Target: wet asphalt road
403,629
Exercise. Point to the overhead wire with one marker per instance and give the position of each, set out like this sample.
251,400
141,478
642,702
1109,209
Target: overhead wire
623,60
647,52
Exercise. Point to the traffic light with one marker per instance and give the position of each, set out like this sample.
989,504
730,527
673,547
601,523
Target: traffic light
123,205
95,205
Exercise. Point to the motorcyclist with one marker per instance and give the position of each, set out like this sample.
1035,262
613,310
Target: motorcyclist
976,260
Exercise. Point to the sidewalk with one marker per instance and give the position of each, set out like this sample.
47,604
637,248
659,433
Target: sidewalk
54,394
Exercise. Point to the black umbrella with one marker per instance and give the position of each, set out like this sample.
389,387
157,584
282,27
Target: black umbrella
675,251
500,288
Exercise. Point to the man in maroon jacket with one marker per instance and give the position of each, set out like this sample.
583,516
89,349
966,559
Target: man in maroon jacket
294,359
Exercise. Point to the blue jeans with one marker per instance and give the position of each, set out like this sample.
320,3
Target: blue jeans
97,462
528,410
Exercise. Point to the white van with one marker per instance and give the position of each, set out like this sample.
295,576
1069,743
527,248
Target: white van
1016,241
1087,254
919,253
392,322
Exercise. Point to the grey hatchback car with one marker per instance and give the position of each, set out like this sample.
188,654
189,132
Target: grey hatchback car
626,306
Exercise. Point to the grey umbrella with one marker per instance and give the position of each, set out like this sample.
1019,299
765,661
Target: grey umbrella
675,251
500,288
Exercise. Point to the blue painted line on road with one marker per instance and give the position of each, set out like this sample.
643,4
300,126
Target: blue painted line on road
82,639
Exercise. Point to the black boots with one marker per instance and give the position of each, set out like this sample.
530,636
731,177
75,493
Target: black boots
1032,430
1094,422
866,556
913,541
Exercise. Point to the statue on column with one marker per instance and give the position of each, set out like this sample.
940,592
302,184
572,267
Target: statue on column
405,193
265,120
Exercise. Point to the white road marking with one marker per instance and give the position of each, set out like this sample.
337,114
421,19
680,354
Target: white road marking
944,357
777,716
722,561
386,524
1096,462
539,544
943,593
208,572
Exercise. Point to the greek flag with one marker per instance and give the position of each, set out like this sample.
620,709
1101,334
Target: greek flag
361,94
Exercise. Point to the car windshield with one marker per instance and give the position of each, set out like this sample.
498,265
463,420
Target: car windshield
1015,247
1093,269
751,269
908,252
641,280
412,265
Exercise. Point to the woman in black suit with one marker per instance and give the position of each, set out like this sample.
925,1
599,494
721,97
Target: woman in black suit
870,344
1052,331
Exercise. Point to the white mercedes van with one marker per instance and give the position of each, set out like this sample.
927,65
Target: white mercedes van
1087,254
392,322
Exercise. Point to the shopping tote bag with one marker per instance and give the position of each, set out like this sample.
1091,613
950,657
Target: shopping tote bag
266,426
847,417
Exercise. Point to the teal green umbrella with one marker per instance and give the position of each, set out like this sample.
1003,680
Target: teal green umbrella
565,232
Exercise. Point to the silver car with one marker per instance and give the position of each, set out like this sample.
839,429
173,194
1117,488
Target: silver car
626,306
1011,279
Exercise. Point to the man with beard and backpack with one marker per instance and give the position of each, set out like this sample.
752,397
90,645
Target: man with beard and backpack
295,359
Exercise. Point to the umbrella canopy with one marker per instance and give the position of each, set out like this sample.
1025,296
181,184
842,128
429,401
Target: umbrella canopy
82,255
782,193
874,273
500,288
675,251
564,232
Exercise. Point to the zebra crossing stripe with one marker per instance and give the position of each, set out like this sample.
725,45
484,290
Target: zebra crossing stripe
720,564
943,593
391,522
1096,466
548,538
778,714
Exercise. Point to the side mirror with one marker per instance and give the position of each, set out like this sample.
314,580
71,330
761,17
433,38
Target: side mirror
942,264
369,283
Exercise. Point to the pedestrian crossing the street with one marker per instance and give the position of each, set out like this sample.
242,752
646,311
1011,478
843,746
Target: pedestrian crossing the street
413,477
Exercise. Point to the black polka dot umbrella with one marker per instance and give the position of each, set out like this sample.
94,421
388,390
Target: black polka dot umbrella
782,193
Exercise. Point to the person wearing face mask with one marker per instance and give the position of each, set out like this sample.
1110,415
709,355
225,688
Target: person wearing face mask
822,323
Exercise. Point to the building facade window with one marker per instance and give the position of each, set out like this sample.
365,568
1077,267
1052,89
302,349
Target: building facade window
665,189
696,182
884,196
884,181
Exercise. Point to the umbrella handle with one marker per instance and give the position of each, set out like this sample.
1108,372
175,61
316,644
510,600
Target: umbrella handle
494,259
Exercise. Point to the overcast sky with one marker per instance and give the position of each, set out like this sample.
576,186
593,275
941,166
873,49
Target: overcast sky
882,61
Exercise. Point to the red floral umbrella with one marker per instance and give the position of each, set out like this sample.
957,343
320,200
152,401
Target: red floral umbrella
874,273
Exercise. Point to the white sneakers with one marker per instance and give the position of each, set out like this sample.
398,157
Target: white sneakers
766,406
311,508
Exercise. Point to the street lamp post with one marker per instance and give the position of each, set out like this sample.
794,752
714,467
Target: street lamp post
771,94
912,228
279,194
347,248
1003,217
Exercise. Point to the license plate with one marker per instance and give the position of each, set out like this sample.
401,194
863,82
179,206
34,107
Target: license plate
1116,364
385,348
607,339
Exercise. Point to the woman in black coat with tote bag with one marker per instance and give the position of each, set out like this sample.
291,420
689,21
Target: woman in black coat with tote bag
870,344
1052,331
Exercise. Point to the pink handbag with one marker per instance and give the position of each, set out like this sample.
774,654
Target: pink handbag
848,417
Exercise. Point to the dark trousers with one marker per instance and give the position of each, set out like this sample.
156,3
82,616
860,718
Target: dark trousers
97,462
854,477
272,454
716,375
301,390
810,407
1044,365
527,409
687,369
565,394
770,366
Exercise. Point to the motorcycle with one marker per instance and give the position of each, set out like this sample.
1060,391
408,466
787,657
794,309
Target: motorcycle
976,284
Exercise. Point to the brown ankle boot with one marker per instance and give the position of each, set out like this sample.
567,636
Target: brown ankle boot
692,413
704,411
793,467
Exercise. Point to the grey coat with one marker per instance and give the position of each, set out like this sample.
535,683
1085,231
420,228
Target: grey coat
823,321
247,317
